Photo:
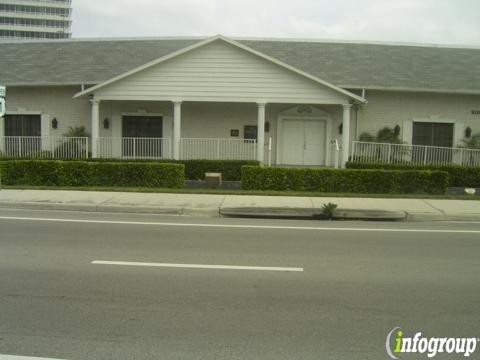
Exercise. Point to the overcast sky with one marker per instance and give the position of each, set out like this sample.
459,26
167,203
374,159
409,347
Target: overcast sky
425,21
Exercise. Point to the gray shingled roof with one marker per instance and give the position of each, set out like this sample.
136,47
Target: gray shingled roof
348,65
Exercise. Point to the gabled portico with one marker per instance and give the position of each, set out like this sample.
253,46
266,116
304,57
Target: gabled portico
220,74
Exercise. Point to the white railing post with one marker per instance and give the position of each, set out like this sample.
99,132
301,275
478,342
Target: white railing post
270,151
337,153
51,147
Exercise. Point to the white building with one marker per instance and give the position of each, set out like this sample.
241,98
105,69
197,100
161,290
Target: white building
222,98
35,19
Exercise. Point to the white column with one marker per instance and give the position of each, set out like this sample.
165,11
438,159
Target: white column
2,134
177,128
346,134
95,126
261,133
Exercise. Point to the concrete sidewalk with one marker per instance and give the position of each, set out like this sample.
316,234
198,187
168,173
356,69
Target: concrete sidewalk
240,205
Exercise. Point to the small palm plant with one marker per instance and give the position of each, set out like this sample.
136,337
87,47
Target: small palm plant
329,210
386,135
472,143
78,131
72,148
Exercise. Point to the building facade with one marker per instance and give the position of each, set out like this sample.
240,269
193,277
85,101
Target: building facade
35,19
285,102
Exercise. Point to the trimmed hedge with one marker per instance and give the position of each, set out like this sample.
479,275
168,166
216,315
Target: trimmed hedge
231,169
194,169
84,173
344,181
460,176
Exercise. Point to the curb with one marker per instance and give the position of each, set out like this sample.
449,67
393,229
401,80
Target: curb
249,212
374,215
272,213
130,209
441,216
310,213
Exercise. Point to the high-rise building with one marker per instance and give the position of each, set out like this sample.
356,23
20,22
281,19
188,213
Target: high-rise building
35,19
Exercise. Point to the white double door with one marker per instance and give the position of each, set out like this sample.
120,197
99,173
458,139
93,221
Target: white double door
304,142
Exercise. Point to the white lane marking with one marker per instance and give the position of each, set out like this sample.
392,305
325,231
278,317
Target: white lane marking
197,266
13,357
231,226
463,222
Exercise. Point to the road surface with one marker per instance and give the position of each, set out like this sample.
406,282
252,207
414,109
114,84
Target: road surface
121,286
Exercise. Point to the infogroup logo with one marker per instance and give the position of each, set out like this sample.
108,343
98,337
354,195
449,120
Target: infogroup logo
397,344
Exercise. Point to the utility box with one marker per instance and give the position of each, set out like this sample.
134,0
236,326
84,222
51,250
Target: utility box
213,180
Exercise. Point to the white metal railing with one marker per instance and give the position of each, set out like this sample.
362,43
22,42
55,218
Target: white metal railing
413,154
336,153
218,149
269,155
133,148
35,147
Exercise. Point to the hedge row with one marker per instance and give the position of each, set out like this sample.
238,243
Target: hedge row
84,173
231,169
194,169
459,176
344,181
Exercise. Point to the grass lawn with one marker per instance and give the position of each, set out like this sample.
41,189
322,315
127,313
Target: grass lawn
248,192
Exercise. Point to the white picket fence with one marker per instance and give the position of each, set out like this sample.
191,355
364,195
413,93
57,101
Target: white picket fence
377,153
218,149
134,148
35,147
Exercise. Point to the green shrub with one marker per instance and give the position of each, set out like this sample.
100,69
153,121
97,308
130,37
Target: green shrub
344,181
459,176
231,169
194,169
84,173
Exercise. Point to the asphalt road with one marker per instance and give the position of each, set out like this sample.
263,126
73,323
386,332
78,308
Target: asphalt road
342,286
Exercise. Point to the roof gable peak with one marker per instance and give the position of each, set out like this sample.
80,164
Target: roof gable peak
234,43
